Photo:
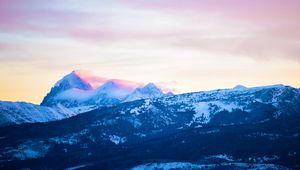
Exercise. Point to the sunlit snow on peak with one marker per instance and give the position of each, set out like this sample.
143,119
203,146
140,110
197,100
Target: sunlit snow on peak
81,87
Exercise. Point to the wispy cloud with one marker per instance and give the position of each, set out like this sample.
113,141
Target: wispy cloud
257,29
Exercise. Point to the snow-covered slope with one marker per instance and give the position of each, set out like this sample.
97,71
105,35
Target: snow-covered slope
21,112
80,88
211,126
227,105
207,106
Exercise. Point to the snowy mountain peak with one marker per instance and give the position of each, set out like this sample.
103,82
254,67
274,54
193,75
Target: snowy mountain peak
118,84
81,88
109,85
72,80
150,85
148,91
170,94
69,83
150,88
115,89
240,87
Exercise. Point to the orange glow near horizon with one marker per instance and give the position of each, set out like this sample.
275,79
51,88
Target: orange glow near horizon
18,88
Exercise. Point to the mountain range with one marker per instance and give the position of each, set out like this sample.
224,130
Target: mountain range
78,89
115,124
77,92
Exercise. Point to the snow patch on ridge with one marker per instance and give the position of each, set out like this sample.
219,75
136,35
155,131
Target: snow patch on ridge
117,139
203,109
188,165
222,156
145,106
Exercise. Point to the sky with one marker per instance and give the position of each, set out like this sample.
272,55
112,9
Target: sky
185,46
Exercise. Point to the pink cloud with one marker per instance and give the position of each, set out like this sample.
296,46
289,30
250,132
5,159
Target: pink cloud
96,81
276,22
90,78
